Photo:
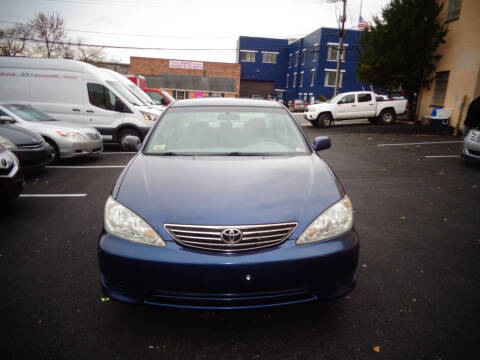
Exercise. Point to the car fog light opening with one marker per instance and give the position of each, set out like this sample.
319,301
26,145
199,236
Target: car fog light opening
334,221
124,223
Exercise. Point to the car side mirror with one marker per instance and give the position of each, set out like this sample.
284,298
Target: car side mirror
6,118
322,143
132,143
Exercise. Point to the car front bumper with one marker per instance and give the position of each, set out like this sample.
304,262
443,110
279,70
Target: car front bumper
32,158
175,276
11,187
471,145
70,149
310,116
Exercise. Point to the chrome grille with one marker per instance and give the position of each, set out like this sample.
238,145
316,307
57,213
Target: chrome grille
475,136
210,237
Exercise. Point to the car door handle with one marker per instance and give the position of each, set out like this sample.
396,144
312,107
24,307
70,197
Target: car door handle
370,104
354,105
75,109
90,111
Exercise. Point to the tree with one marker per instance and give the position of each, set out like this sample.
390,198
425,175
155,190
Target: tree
400,49
13,40
50,34
88,53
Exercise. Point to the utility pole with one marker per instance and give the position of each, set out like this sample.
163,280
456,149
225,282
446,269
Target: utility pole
340,48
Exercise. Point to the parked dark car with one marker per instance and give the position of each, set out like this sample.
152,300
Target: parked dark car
227,206
29,147
11,176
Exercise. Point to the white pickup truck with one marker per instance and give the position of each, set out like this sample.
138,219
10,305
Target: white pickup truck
354,105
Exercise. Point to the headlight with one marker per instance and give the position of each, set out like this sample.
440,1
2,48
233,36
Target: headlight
149,116
124,223
71,134
334,221
6,143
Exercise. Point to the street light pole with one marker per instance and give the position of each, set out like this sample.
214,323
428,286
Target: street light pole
340,48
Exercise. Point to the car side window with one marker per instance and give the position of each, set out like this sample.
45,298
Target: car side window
364,97
2,113
347,99
158,98
102,97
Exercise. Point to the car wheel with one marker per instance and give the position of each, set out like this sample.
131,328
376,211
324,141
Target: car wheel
374,120
387,116
123,134
55,150
325,121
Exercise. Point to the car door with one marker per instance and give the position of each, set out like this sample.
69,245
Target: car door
100,107
346,108
365,105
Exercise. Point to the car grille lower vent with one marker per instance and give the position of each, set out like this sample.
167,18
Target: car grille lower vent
231,238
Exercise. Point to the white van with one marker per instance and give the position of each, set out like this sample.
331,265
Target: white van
77,92
134,89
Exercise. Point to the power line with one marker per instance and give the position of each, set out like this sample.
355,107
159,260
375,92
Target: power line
149,48
149,35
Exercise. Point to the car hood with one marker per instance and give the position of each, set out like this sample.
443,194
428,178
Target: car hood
228,190
59,125
20,136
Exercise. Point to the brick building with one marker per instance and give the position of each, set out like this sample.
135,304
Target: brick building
189,79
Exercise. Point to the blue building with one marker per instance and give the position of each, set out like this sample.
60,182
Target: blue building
300,69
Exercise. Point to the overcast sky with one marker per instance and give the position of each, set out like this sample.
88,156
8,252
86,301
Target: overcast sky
187,24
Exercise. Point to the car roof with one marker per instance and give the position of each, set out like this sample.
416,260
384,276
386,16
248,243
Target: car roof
226,102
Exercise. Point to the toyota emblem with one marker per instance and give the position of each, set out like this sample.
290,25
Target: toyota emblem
232,236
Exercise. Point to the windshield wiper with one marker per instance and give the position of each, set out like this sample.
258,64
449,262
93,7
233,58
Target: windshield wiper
240,153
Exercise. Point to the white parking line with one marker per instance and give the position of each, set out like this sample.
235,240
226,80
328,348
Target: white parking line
422,143
85,167
53,195
442,156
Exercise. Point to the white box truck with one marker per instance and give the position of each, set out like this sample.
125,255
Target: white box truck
77,92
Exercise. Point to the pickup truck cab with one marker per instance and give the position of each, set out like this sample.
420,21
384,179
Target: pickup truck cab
354,105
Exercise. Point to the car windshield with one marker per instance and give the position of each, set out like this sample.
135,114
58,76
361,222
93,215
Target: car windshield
28,113
226,131
140,94
122,90
334,99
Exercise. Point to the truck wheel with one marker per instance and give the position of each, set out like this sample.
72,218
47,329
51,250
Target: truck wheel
124,133
387,116
373,120
325,120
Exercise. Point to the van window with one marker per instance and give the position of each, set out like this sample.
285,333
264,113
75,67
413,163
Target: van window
102,97
158,98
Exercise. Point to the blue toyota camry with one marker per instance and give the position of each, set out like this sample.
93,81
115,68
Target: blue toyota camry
227,206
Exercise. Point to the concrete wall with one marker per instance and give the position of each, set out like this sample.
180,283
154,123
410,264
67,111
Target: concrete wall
461,57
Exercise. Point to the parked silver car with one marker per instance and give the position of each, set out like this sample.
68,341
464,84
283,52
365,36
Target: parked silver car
67,139
471,145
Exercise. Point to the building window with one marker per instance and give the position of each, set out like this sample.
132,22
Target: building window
316,50
290,61
269,57
301,79
312,80
296,58
286,83
294,80
180,95
330,76
440,88
304,56
454,7
216,94
248,56
332,54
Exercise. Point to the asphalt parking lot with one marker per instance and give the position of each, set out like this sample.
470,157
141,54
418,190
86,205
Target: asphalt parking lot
417,213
